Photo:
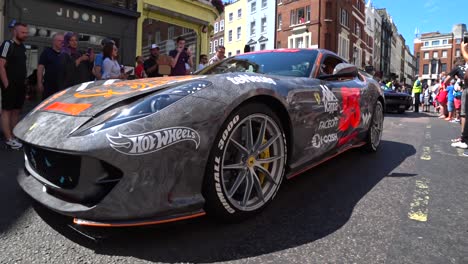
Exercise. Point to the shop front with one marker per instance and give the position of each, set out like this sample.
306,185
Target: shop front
92,22
162,21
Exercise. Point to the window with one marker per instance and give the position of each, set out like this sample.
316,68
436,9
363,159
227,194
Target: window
264,24
252,28
444,54
444,67
211,47
280,2
150,38
299,16
278,45
231,17
221,41
262,46
307,17
426,69
435,43
357,57
293,18
435,54
170,32
426,43
357,30
457,53
344,19
221,25
216,27
237,52
426,55
264,3
458,41
239,13
186,30
229,54
445,41
359,5
238,33
215,44
280,22
157,37
253,7
299,43
343,47
230,36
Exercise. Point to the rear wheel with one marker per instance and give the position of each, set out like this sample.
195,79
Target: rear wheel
374,134
246,164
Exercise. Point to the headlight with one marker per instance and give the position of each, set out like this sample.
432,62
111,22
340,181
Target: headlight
141,108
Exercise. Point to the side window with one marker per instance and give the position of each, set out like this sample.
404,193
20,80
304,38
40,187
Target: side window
328,65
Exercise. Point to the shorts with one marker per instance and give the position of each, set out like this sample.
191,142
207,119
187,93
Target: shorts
13,96
463,102
457,103
450,106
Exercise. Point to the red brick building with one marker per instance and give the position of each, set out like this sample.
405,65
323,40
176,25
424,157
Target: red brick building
331,24
436,52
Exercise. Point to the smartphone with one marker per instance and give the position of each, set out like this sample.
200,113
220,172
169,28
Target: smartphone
465,39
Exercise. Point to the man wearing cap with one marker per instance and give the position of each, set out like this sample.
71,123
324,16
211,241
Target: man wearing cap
151,64
97,68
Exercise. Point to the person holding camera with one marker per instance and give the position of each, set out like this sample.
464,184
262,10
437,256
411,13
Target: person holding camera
180,57
111,67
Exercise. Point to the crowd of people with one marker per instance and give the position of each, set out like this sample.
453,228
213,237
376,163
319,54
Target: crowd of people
65,64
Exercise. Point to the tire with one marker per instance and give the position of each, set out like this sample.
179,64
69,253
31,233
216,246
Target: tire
374,134
237,183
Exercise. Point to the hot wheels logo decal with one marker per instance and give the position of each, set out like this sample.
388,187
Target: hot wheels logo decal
152,141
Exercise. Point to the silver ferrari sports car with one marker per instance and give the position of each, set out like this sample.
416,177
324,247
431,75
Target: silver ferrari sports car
220,142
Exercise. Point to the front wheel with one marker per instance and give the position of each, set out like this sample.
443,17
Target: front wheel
374,134
246,164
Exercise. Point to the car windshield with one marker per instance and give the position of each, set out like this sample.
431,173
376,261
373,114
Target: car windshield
297,63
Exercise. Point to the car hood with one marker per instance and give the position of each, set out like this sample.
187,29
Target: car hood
89,99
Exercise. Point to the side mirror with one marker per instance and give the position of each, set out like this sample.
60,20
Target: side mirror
342,70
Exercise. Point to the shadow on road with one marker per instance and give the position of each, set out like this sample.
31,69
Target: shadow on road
411,114
307,208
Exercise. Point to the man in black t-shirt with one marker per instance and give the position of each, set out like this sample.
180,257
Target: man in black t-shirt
151,64
49,61
13,76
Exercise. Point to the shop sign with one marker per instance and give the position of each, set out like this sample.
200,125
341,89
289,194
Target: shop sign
79,16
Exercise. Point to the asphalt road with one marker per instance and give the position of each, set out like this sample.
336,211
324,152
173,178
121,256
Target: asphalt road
408,203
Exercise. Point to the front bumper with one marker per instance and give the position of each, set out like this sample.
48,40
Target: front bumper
392,103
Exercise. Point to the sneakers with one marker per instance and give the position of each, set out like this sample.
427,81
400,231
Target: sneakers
456,140
455,121
13,143
465,154
460,144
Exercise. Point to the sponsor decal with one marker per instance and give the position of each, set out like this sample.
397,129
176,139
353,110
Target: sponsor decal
317,98
244,78
328,123
71,109
219,191
351,115
228,129
319,140
366,118
152,141
329,100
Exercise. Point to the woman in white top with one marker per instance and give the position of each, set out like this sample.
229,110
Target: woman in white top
110,65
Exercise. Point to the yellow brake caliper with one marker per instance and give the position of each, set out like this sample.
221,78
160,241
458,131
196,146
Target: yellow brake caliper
264,155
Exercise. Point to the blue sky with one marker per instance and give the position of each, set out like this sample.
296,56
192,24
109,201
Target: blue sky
428,15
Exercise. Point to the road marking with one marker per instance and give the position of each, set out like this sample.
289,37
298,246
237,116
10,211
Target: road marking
428,126
419,206
428,135
460,152
426,153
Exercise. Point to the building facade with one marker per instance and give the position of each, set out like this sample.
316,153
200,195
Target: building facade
235,32
217,38
260,24
162,21
93,21
385,44
435,52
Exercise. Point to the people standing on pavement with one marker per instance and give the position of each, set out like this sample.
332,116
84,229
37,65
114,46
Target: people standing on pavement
417,89
151,64
13,76
110,65
139,69
180,57
219,56
48,67
462,142
203,62
69,61
450,100
97,67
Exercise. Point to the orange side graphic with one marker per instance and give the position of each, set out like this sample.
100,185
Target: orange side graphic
72,109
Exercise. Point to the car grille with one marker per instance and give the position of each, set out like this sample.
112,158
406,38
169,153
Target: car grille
62,170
